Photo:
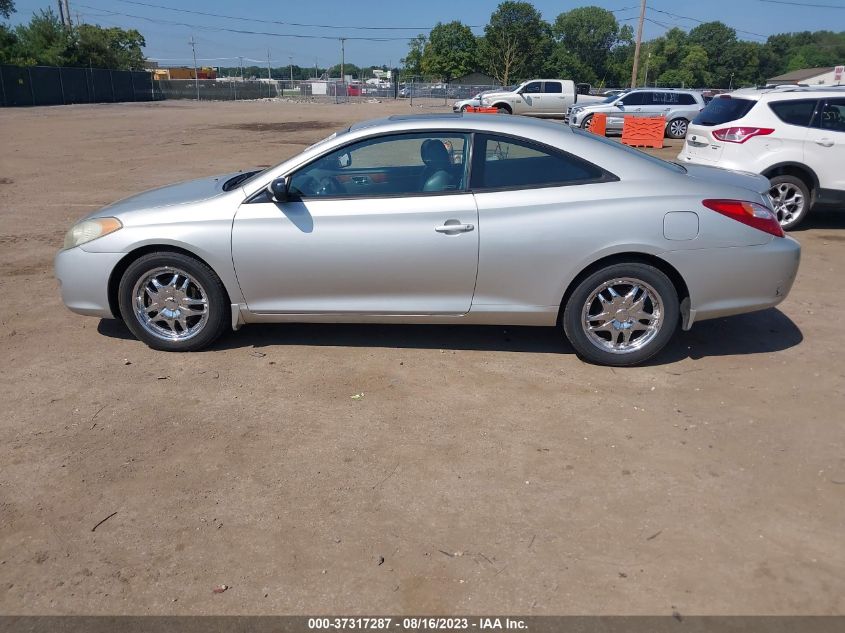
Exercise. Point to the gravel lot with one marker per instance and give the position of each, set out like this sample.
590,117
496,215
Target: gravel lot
485,469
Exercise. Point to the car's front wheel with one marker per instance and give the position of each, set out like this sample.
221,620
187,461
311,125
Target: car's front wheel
585,124
622,314
677,128
173,302
790,200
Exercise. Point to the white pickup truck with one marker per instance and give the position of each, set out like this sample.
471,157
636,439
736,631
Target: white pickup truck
549,98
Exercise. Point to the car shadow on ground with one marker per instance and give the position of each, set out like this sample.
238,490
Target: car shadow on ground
756,333
822,218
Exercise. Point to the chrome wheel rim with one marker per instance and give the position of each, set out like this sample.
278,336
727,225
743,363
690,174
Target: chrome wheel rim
622,315
170,304
787,202
678,128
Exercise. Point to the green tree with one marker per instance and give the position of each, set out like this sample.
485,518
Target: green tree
107,48
516,43
7,8
451,51
412,62
585,38
43,41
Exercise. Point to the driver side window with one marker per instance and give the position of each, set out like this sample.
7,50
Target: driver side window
397,164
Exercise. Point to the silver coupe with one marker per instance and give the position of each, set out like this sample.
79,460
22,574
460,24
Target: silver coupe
452,218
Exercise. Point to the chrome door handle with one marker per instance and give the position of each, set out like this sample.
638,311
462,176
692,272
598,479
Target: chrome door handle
824,142
454,228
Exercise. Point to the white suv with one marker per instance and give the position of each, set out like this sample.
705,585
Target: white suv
793,136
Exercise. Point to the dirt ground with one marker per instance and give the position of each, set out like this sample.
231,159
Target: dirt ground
485,469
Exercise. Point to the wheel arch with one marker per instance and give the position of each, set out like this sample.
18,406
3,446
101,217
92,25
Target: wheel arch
135,254
626,258
798,170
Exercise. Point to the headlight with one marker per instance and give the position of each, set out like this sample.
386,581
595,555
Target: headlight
88,230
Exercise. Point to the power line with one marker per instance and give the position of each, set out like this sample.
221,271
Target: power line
686,17
802,4
320,26
243,31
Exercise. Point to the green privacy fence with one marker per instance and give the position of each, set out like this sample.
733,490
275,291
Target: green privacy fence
53,85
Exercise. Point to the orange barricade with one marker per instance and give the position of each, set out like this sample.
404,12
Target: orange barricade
643,132
480,110
598,124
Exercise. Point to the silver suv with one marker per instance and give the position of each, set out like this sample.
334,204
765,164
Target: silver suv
678,106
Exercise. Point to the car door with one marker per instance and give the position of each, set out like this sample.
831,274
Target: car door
630,104
532,97
824,147
529,197
554,99
384,225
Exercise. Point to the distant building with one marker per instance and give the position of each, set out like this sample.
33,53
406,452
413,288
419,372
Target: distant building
189,73
827,76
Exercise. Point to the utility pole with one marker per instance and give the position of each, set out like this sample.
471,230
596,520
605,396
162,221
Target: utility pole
637,46
62,13
196,74
242,67
342,57
269,77
290,61
67,13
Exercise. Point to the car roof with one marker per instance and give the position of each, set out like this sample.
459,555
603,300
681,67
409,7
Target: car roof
463,121
787,92
686,90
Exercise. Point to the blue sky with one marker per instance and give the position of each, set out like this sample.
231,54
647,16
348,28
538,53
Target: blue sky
169,42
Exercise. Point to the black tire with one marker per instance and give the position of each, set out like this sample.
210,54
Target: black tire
209,325
464,108
677,128
585,124
503,109
784,194
650,280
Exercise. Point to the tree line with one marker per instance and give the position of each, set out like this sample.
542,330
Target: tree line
588,44
46,41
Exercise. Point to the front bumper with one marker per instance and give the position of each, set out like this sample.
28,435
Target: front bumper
735,280
84,280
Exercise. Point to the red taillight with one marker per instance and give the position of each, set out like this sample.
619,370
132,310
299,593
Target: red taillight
750,213
740,134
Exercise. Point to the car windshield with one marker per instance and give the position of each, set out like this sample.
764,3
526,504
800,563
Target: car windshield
320,142
635,152
611,99
723,109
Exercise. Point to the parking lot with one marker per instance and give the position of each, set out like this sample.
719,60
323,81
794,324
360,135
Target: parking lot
482,469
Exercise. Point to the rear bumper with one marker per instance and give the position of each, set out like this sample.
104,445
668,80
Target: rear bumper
84,280
728,281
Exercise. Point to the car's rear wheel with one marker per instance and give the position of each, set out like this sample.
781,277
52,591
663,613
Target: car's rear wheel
790,200
677,128
173,302
622,314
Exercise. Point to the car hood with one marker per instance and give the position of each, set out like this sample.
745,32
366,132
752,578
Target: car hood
180,193
744,179
497,95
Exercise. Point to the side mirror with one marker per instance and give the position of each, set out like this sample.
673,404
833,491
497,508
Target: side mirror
619,104
278,189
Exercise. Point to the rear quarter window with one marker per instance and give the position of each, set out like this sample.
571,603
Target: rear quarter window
794,112
724,109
